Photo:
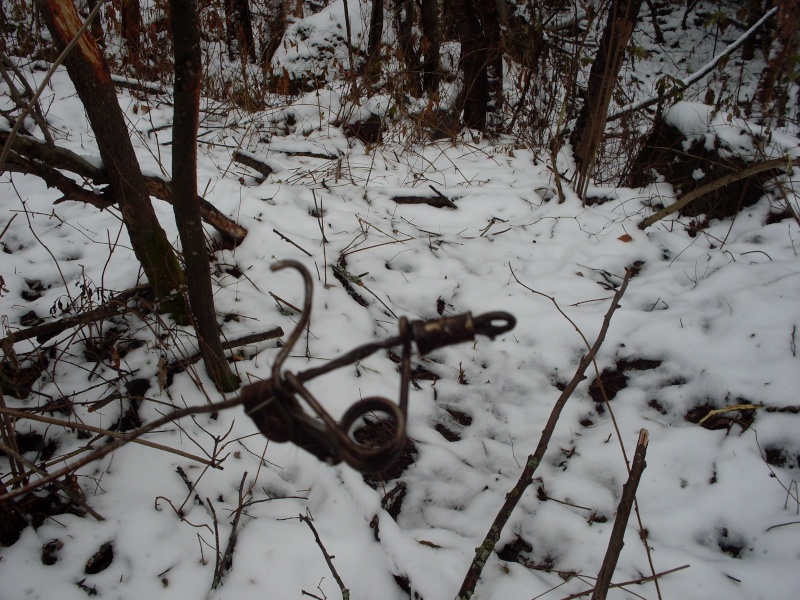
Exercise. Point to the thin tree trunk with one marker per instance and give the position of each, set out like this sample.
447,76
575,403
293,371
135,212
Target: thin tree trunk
90,74
754,13
474,62
239,29
404,16
783,64
373,66
591,122
430,45
276,17
188,69
490,22
131,30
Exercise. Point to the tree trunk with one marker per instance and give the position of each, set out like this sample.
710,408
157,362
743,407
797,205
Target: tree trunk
276,17
239,29
490,23
474,59
404,17
188,69
430,45
591,122
783,64
90,74
97,25
754,13
373,66
131,30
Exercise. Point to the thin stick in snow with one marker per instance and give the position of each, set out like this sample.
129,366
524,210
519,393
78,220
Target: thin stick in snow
616,542
484,551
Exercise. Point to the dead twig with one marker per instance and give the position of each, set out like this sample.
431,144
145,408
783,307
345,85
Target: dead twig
639,581
117,443
286,239
110,308
183,363
328,558
484,551
226,562
19,414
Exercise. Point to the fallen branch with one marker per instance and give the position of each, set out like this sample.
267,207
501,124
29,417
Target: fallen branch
716,184
484,551
616,542
119,442
68,486
32,157
146,87
249,160
111,307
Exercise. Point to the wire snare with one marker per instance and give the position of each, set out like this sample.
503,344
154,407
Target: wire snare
274,407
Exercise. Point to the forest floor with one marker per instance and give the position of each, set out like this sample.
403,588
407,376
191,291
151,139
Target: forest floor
709,321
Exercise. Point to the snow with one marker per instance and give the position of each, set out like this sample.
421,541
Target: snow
719,310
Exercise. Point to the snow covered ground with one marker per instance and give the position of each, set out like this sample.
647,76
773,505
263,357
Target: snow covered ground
709,321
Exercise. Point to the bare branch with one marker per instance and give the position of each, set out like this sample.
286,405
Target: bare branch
484,551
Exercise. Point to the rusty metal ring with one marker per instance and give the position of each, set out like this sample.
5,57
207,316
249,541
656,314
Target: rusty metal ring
485,324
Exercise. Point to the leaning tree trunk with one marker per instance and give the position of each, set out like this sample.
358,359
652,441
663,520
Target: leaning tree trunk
474,57
90,74
430,45
188,69
591,122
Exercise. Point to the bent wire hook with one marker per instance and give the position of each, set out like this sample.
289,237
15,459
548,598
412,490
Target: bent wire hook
274,406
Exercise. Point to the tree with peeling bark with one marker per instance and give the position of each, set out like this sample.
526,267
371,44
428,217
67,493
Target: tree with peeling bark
91,76
591,122
188,70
